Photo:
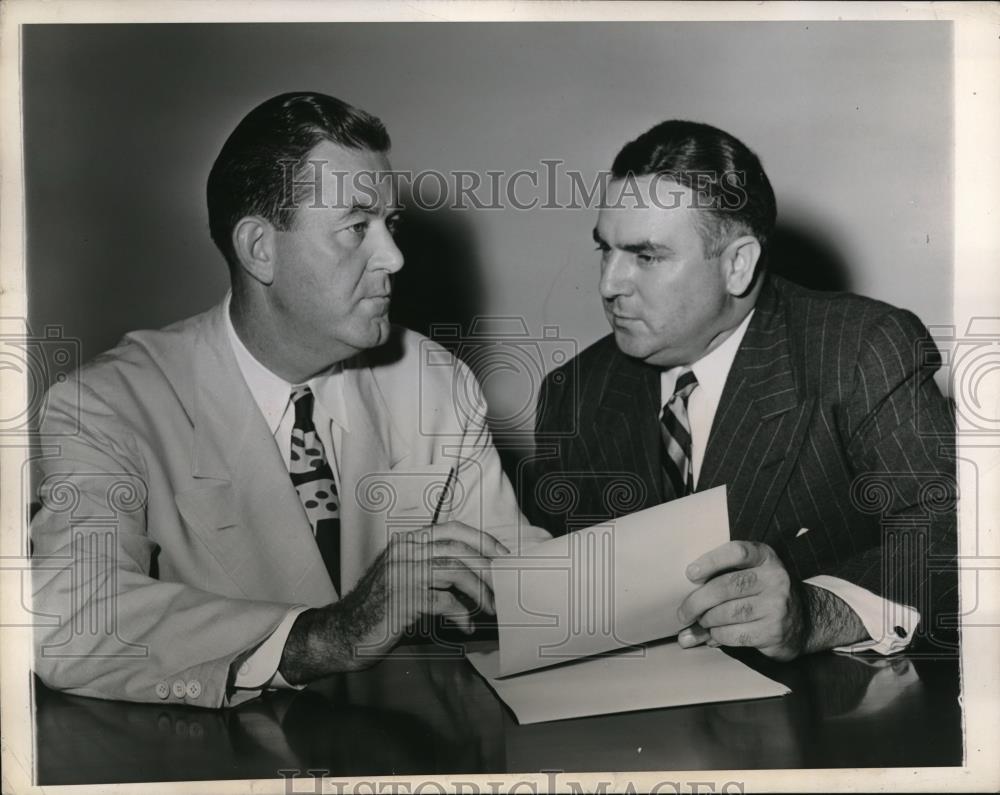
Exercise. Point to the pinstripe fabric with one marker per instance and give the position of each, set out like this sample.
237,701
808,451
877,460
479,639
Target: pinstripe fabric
830,420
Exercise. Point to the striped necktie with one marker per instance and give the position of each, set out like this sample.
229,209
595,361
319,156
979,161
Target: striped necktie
678,474
313,480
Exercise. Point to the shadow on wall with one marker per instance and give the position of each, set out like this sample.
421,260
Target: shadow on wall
439,291
805,256
440,283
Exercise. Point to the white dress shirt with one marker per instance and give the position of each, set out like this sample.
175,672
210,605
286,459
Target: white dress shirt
890,626
272,394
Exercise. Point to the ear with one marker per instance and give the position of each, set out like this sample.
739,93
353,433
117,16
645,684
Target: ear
739,262
253,242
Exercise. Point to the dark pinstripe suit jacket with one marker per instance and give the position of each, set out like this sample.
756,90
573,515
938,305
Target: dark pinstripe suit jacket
829,420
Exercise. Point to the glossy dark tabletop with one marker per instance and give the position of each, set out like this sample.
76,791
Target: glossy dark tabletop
425,711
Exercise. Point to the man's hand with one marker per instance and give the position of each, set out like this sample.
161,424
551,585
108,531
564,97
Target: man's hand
746,598
420,573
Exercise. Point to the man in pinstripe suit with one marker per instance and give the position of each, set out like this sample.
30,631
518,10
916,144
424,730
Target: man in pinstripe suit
818,411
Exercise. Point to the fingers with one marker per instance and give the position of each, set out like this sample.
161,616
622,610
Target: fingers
754,634
694,635
721,589
456,565
483,543
440,564
458,576
447,605
735,611
449,551
731,555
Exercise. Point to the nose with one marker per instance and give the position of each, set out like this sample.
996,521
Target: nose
387,255
614,277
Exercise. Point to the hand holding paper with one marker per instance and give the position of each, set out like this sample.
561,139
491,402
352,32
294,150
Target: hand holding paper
597,590
745,597
604,587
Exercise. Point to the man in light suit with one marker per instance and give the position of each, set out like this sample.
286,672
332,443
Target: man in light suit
817,411
243,499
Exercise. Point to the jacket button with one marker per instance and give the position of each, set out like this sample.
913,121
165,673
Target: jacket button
180,689
194,688
162,689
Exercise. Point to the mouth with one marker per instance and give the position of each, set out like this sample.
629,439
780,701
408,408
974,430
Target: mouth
621,320
379,304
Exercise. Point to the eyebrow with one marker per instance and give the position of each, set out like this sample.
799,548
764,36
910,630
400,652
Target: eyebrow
646,247
367,208
642,247
361,206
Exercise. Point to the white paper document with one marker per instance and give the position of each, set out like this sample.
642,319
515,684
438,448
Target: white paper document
660,675
604,587
603,591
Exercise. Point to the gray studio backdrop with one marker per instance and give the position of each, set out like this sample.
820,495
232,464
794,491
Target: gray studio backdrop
853,122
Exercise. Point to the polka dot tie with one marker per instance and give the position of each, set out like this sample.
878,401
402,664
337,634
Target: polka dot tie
313,480
678,475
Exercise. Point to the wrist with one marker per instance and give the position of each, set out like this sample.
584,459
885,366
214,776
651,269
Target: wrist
828,621
306,655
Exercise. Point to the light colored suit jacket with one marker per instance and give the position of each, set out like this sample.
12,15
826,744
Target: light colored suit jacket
170,540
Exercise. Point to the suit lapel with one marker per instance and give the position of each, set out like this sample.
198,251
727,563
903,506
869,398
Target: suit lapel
244,504
760,423
625,432
363,453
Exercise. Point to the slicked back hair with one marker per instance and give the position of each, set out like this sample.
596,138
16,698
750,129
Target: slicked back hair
250,175
727,178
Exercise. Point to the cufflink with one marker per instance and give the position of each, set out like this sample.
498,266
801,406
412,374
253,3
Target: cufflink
180,689
900,632
193,688
162,689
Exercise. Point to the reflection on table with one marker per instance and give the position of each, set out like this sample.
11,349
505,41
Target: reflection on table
426,711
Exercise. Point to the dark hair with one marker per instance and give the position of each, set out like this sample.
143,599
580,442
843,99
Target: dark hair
248,176
724,174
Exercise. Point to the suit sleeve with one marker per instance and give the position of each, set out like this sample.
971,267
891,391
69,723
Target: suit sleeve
488,500
899,432
105,625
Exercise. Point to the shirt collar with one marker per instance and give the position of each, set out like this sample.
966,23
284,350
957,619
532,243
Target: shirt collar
271,392
712,369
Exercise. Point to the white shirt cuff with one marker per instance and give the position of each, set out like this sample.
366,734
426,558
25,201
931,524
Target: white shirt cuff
890,626
260,669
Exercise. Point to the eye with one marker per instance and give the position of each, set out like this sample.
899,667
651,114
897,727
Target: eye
648,259
392,224
359,228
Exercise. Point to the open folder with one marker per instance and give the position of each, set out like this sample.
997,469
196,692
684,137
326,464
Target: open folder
611,587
